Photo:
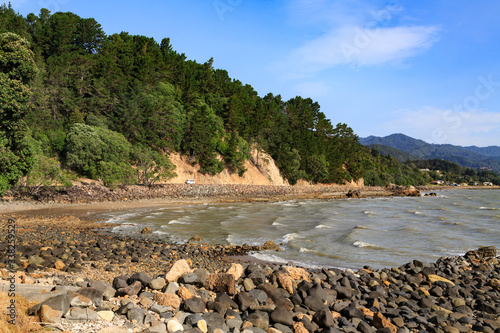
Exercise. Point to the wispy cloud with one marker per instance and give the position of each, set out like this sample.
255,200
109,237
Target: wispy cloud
359,35
434,125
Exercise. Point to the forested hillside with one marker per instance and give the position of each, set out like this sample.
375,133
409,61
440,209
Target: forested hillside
112,107
471,157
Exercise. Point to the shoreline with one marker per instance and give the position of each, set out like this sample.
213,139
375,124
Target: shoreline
79,259
179,195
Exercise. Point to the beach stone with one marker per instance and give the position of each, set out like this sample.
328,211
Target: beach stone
82,314
142,277
171,288
146,230
179,268
59,265
221,282
298,273
286,282
343,292
184,293
282,315
192,319
248,284
157,284
157,327
93,294
136,315
495,284
214,321
49,315
81,301
124,308
274,294
259,319
298,327
245,301
436,278
202,325
202,274
170,300
381,322
282,328
60,303
120,282
194,305
271,246
35,260
106,315
130,290
235,270
174,326
188,278
364,327
314,303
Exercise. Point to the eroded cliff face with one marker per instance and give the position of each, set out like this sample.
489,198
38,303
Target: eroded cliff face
261,170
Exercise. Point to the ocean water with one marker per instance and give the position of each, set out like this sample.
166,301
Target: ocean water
346,233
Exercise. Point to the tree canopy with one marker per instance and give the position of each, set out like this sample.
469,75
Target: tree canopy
99,98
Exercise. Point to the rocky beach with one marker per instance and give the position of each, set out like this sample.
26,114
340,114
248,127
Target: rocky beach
74,275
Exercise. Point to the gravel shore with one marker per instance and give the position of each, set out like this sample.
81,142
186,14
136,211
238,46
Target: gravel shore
106,283
79,277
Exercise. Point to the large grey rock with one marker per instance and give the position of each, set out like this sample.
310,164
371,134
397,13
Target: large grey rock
282,315
93,294
59,303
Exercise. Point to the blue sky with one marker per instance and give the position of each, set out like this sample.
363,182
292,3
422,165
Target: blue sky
428,69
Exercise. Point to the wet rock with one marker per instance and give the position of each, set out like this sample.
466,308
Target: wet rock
146,230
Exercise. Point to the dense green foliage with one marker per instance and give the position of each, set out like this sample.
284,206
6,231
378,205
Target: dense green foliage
17,69
384,169
451,172
472,157
113,107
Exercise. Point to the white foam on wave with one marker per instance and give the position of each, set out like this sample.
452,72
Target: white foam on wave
276,223
124,226
278,260
322,226
488,208
121,218
178,222
291,236
158,232
361,227
362,244
303,250
368,212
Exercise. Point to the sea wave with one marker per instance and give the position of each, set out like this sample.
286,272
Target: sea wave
322,226
178,222
488,208
362,244
291,236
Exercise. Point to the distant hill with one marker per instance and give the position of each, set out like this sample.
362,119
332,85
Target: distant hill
472,157
397,154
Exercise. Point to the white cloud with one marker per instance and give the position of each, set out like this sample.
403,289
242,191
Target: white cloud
442,126
362,47
354,33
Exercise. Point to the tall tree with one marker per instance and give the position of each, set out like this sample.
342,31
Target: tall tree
17,69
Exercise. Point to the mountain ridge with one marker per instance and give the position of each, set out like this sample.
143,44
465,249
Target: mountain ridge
470,156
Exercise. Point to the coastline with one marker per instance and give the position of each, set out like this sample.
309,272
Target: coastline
81,200
61,247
